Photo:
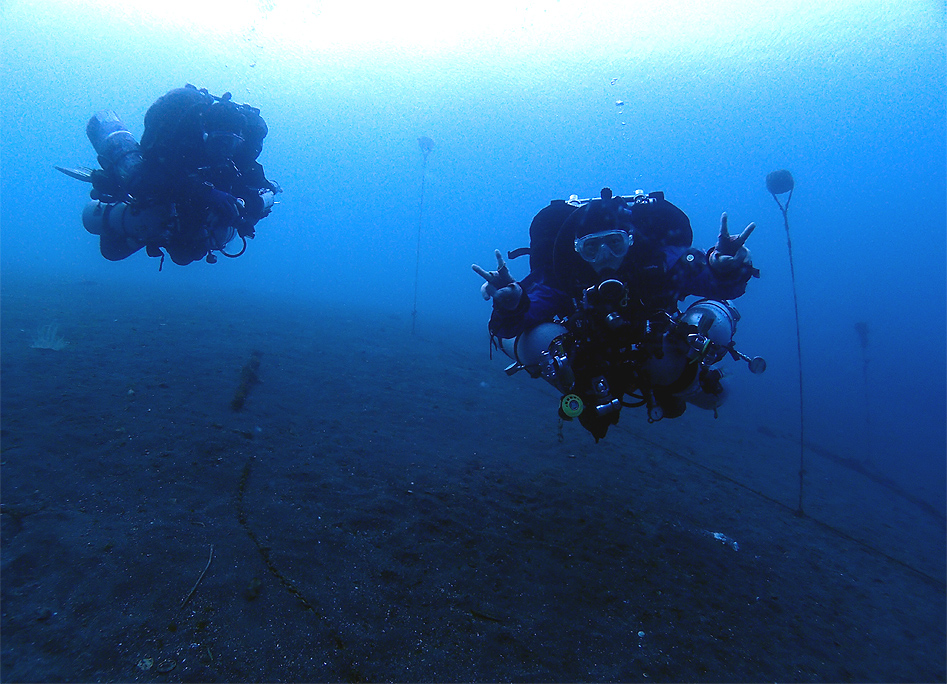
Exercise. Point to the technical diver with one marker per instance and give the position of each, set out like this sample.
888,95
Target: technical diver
189,188
598,316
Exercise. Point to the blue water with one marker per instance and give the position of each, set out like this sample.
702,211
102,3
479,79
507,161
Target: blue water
522,105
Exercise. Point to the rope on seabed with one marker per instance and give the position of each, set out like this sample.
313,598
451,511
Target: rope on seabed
865,545
264,552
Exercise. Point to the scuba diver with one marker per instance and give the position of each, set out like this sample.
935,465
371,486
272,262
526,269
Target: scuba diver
191,186
597,316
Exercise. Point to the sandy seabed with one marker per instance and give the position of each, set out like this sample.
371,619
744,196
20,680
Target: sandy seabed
384,507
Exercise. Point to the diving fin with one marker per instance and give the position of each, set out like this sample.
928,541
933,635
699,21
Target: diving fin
80,174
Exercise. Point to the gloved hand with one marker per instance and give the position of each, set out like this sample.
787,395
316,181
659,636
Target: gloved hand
223,208
500,286
104,187
729,254
246,229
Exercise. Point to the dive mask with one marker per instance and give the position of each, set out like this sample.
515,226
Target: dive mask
221,145
597,247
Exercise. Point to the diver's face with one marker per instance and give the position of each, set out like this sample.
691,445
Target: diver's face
221,145
603,250
608,263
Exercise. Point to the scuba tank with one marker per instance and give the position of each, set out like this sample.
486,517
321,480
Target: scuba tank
531,348
715,323
677,364
119,152
120,219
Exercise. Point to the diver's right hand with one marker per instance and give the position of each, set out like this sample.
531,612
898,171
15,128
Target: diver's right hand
500,285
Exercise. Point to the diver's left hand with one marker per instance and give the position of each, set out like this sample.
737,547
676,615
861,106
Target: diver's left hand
730,253
223,208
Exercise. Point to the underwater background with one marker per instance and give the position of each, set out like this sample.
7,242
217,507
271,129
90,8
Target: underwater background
122,456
